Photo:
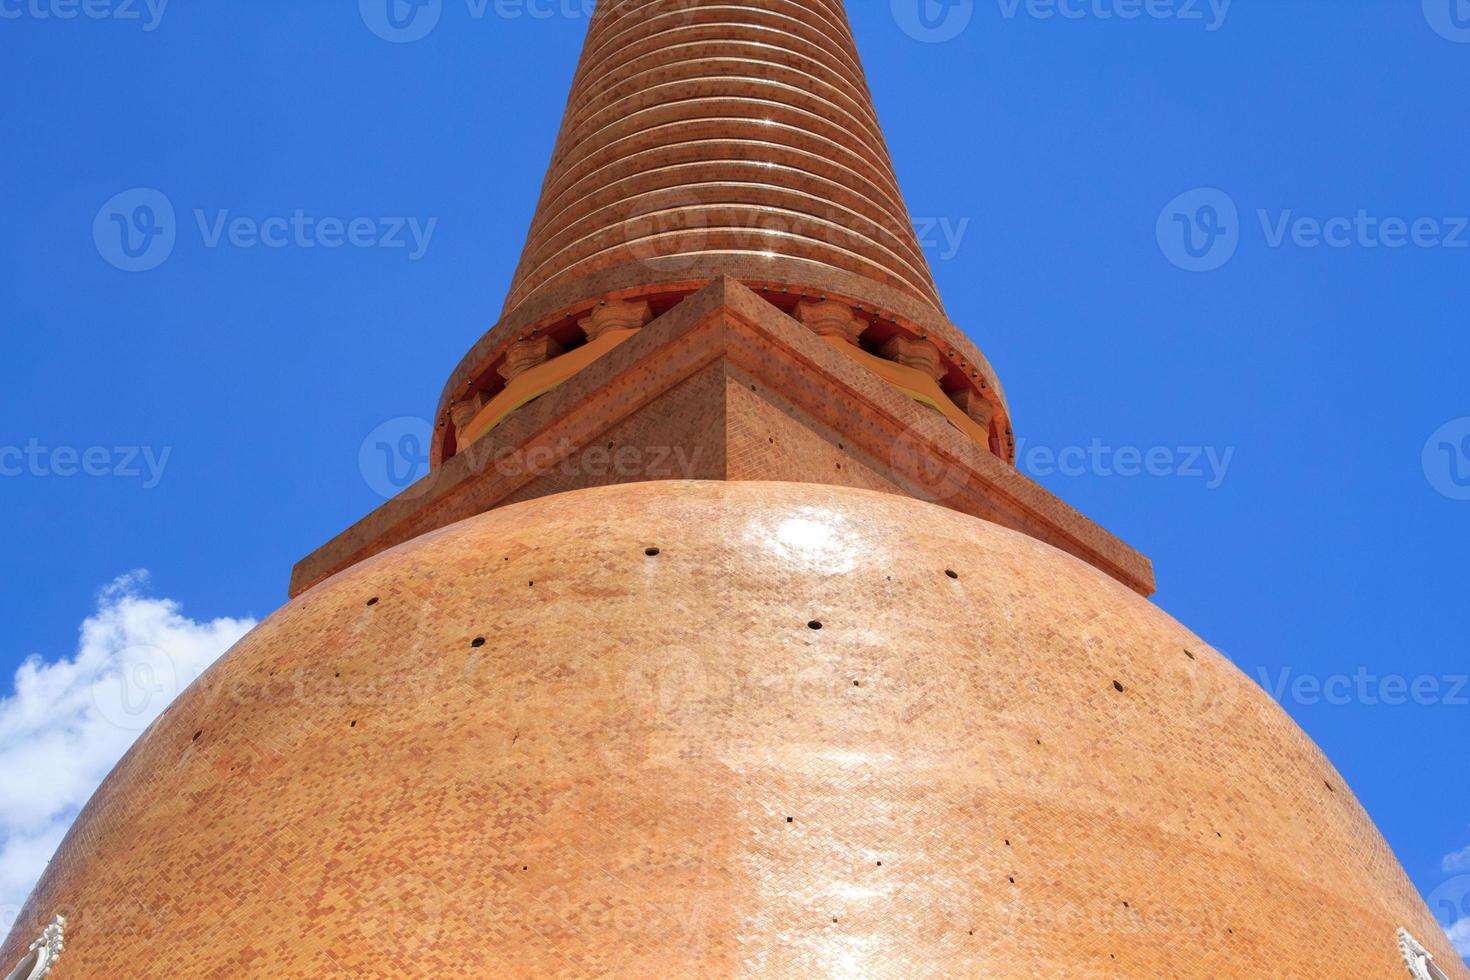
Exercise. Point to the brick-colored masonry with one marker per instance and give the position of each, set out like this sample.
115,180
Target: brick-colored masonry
715,128
723,638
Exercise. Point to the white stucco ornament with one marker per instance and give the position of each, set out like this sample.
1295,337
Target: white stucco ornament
1418,959
43,954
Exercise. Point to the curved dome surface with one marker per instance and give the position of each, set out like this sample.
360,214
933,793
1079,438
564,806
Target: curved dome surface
725,729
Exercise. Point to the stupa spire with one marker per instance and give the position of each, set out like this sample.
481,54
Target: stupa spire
700,131
723,639
721,268
706,139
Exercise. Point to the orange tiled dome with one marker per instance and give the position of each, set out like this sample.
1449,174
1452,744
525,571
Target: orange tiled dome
717,728
600,734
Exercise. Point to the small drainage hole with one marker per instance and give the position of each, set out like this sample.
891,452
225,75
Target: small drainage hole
951,573
373,601
1118,687
477,642
815,624
651,552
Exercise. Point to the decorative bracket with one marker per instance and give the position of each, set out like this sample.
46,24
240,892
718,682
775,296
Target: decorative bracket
526,354
1418,959
829,318
615,315
43,954
919,355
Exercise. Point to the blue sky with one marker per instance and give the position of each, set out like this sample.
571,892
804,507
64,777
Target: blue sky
1229,238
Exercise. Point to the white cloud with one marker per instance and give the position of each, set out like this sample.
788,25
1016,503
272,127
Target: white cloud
1458,900
1459,934
71,719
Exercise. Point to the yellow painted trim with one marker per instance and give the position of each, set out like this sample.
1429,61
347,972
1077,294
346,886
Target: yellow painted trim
537,382
918,386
